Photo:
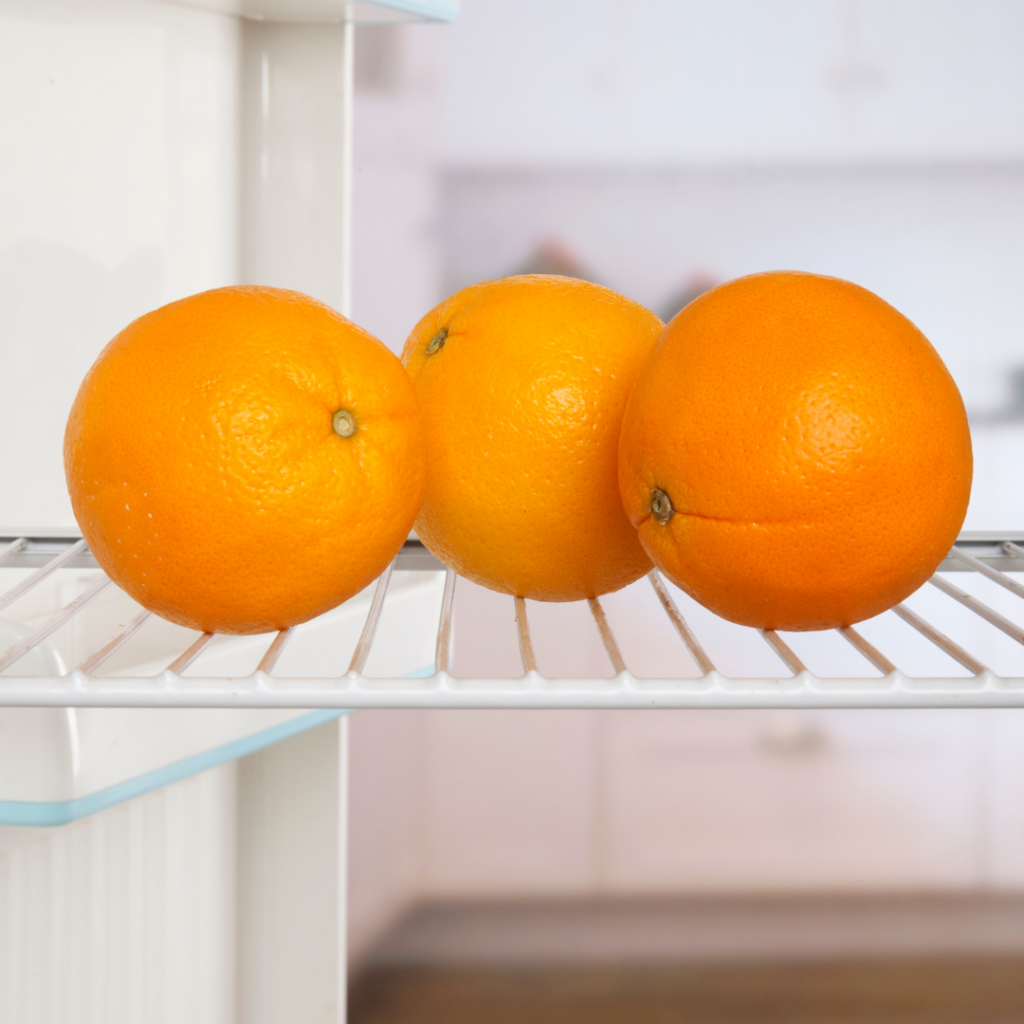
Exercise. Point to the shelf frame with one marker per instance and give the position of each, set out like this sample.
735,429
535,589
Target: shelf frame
992,555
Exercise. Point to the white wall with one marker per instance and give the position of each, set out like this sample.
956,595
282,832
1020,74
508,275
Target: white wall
591,803
530,804
880,140
396,192
583,82
387,822
945,245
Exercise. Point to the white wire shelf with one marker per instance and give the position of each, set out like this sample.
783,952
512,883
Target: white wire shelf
995,558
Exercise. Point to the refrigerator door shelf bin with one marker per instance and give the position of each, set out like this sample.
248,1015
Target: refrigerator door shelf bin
59,763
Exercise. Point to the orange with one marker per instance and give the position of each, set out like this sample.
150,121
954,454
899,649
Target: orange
795,455
244,459
522,384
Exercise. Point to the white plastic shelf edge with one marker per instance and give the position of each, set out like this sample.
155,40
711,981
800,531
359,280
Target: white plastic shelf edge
359,11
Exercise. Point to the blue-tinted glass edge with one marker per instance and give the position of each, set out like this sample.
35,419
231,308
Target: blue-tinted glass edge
63,812
432,10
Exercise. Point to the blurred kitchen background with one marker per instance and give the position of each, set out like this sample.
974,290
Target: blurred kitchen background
658,147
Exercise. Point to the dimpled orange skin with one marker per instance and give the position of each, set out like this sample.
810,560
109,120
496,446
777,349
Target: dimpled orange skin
522,406
205,471
813,444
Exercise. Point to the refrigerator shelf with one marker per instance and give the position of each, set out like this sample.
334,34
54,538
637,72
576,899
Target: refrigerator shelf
885,682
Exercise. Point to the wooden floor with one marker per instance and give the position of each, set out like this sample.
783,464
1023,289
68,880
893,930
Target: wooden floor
954,991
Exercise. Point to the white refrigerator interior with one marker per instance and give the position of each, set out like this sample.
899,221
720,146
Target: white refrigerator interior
151,150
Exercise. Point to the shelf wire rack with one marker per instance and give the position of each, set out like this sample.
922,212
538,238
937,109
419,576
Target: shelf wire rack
989,555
